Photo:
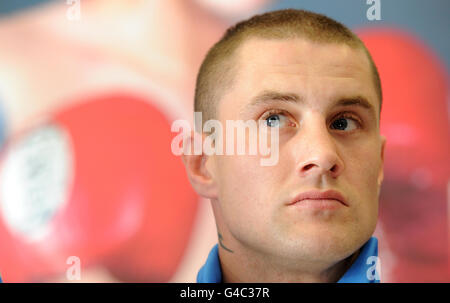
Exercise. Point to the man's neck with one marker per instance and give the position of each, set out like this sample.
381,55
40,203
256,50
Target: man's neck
243,266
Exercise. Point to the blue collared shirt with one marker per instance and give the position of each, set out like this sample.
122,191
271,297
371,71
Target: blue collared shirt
363,270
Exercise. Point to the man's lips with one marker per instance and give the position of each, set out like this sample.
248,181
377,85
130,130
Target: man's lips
318,195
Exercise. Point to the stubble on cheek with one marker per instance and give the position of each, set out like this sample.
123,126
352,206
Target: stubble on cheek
245,199
364,191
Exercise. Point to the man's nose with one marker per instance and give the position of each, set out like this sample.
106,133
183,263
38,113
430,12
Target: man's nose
318,153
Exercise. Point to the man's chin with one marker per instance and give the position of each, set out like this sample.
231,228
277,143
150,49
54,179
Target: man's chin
324,246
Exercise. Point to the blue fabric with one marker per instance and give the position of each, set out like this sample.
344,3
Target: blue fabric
363,267
361,270
211,272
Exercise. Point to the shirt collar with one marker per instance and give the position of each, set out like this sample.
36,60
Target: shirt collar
361,271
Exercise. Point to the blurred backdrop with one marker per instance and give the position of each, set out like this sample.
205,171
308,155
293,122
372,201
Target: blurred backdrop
89,188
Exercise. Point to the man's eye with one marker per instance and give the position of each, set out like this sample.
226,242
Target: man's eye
276,120
345,123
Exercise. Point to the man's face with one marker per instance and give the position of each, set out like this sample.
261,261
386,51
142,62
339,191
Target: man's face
326,141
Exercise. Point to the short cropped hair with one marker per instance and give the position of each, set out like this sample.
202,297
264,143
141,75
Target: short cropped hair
216,74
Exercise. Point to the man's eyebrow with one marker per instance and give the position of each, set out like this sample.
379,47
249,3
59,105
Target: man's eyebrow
358,101
269,96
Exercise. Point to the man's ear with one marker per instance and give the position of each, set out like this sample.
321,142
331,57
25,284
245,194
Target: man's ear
199,167
381,172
